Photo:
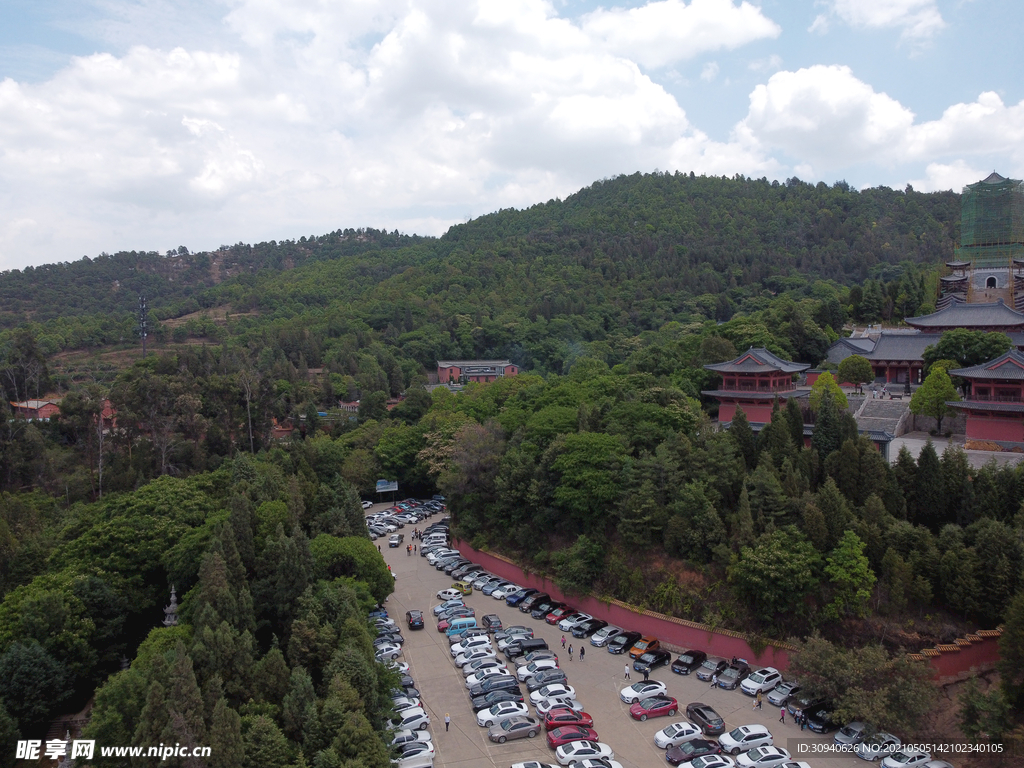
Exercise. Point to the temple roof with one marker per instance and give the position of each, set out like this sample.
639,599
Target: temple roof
902,346
753,394
758,360
954,279
961,315
993,178
958,264
1008,367
984,405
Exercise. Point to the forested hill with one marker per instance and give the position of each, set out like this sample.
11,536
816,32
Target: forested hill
662,234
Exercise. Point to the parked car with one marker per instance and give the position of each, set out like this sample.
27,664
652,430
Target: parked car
906,758
690,750
495,697
655,706
514,728
388,652
531,600
604,635
414,755
568,623
879,746
711,667
505,591
533,656
497,712
516,598
588,627
565,734
468,643
407,737
560,716
631,694
781,693
705,718
543,608
496,683
559,613
623,641
485,652
475,666
731,677
463,587
555,690
745,738
677,733
576,750
414,619
534,667
644,644
410,720
820,719
762,680
545,677
449,594
805,704
491,587
851,733
708,761
544,706
651,660
688,661
491,622
763,757
484,674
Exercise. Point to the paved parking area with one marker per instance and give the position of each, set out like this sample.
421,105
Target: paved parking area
597,681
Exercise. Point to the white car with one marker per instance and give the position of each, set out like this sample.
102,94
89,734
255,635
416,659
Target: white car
476,653
763,757
401,667
469,643
600,638
403,703
502,592
677,733
480,664
531,669
553,691
878,746
577,750
763,680
506,641
744,738
407,736
388,652
572,620
534,764
546,705
416,756
483,674
631,694
709,761
491,716
906,759
412,719
449,594
596,762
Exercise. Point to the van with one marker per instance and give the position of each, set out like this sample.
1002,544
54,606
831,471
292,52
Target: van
460,625
525,646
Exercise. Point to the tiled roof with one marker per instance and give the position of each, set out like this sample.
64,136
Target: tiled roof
985,405
1008,367
958,264
961,315
954,279
902,346
755,360
859,345
755,394
463,363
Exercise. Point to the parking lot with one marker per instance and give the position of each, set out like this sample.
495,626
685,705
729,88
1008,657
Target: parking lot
597,681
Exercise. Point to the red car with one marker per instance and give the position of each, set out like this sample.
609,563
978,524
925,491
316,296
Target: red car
559,716
556,615
567,733
656,706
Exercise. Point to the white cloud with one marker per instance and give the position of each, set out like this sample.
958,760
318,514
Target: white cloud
667,31
918,19
943,176
710,72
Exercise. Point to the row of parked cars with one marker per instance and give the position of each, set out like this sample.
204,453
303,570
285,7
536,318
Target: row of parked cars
408,512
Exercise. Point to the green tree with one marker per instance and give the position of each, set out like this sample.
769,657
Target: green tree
776,574
1011,652
579,566
826,383
9,734
967,347
931,397
851,577
856,370
226,737
264,744
743,438
589,465
33,683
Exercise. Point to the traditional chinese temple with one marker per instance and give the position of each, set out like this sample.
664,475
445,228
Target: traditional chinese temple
995,405
752,382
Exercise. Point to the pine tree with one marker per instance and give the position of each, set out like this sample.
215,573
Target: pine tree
299,705
828,431
743,524
1011,652
184,700
743,437
767,501
851,576
795,419
929,490
272,677
815,528
834,510
264,745
905,471
226,738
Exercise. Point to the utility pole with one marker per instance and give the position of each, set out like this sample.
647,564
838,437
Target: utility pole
143,321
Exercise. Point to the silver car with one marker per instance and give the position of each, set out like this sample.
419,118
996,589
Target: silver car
876,747
602,636
514,728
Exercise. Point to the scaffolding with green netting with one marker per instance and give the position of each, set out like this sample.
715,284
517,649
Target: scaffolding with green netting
992,222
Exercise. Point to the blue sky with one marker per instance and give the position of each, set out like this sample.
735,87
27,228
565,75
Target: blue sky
148,124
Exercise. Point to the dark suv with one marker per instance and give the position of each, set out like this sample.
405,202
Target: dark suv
705,718
414,619
688,661
541,610
535,599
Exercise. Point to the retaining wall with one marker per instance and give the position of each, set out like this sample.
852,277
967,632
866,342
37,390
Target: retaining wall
965,657
675,634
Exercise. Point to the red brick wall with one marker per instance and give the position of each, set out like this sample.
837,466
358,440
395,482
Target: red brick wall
1010,429
755,411
673,633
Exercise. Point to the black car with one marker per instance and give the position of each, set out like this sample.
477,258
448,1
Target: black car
650,660
705,718
494,683
406,681
588,627
496,697
546,677
806,704
711,667
688,750
386,638
414,619
730,678
491,622
517,598
540,610
688,661
820,719
623,641
411,692
535,599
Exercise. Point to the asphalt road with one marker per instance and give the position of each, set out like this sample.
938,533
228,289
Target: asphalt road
597,681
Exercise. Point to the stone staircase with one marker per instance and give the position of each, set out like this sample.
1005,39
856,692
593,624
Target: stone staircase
884,415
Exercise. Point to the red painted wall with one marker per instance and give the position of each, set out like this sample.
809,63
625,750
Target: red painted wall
988,428
977,654
676,634
755,411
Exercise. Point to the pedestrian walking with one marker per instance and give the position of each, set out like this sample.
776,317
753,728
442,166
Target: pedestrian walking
626,676
647,674
782,715
714,680
563,642
415,549
582,651
570,651
758,701
447,721
378,547
803,721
